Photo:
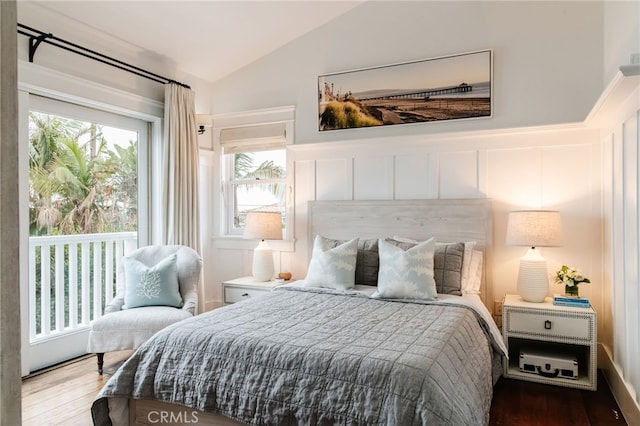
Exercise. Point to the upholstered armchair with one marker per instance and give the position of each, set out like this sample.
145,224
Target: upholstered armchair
157,286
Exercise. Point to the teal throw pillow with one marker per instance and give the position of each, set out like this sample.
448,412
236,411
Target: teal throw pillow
151,286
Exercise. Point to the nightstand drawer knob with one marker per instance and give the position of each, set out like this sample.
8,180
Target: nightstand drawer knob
547,325
245,295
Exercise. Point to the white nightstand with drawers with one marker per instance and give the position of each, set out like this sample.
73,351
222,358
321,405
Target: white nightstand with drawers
549,329
246,287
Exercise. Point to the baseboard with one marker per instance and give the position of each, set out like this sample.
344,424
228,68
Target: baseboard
619,389
212,304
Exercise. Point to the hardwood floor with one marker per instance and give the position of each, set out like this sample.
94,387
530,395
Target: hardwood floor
516,402
63,396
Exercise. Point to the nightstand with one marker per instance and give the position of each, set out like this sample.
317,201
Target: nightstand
246,287
546,330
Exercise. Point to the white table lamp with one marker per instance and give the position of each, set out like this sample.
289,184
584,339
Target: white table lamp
263,226
534,228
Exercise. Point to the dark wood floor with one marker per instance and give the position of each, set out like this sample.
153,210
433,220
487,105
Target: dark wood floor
516,402
63,396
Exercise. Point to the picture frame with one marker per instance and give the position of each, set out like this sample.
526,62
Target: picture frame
453,87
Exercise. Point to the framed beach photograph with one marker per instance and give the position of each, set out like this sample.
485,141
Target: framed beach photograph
445,88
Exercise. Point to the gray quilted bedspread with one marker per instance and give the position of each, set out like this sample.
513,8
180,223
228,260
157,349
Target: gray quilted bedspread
306,358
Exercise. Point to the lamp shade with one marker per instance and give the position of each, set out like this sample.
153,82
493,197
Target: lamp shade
534,228
263,225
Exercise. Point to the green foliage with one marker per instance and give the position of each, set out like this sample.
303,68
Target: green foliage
79,184
254,177
243,164
346,114
245,169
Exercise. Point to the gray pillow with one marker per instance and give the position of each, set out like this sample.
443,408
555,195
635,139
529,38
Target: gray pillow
367,262
447,265
406,274
447,268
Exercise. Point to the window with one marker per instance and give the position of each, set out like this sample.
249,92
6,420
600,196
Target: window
256,172
86,202
83,169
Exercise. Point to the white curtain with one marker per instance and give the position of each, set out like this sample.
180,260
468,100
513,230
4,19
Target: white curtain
181,168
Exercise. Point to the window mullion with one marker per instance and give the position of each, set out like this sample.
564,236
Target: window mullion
256,181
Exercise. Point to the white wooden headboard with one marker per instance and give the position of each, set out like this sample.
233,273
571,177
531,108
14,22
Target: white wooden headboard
447,220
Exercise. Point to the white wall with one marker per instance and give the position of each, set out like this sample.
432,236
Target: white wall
621,35
620,139
43,17
537,47
548,61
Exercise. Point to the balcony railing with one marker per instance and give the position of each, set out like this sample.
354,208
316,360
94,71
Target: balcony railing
71,278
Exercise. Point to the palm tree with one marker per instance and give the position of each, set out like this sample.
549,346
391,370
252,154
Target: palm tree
244,169
121,189
79,187
45,133
80,178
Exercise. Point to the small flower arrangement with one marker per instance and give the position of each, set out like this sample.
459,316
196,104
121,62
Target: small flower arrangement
570,277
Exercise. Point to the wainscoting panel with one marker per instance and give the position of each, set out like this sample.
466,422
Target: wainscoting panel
458,175
620,140
414,177
514,175
509,167
333,179
305,185
631,250
569,171
373,178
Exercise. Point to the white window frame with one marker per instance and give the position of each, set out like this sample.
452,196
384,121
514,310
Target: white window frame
229,193
37,80
66,109
266,117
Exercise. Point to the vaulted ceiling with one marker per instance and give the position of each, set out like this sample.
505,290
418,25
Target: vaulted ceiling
208,39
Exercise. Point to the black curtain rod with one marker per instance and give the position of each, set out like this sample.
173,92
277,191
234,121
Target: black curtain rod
36,37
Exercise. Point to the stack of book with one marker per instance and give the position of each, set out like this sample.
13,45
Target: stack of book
575,302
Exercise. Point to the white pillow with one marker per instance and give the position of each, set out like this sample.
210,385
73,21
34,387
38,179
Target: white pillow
475,273
332,267
406,274
469,246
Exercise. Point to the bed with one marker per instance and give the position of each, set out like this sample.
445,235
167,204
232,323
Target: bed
320,354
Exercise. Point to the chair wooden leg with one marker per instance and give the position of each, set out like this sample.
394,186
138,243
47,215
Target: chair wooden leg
100,362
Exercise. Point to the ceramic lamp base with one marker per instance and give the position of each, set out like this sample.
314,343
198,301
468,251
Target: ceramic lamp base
533,279
262,269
